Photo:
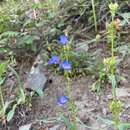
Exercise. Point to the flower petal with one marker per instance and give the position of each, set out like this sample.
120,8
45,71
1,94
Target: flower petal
66,65
62,100
54,60
63,40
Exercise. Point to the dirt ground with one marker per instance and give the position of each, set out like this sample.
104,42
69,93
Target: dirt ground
90,105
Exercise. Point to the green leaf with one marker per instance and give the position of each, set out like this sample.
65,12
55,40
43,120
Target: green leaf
96,86
11,113
113,80
66,121
6,105
28,39
40,92
106,121
9,34
21,89
2,80
126,15
3,67
21,95
124,126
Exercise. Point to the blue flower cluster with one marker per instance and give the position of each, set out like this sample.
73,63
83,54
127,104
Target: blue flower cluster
54,60
65,65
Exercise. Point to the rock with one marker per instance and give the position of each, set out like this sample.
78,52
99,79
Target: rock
122,92
26,127
82,46
57,127
36,79
105,111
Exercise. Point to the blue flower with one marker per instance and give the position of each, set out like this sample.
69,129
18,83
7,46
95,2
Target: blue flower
54,60
66,65
62,100
63,40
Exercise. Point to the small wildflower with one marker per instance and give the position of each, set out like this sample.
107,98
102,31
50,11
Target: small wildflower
66,65
54,60
62,100
63,40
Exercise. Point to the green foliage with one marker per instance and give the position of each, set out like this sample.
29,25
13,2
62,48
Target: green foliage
20,92
116,108
124,126
34,26
112,124
70,125
9,105
3,105
108,70
11,113
84,63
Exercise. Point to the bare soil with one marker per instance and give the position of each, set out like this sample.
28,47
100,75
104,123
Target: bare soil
90,105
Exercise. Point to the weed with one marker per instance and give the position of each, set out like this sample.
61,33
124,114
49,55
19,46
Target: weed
108,68
115,106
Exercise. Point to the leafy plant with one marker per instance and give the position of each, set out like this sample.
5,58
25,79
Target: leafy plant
7,110
4,105
20,99
109,64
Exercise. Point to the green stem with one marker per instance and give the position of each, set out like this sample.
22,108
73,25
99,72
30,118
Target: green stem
65,50
113,67
112,54
112,39
94,14
112,47
71,102
69,91
2,99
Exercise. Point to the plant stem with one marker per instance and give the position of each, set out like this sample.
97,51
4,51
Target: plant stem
2,99
112,47
112,53
113,67
94,14
72,106
71,102
69,91
113,38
